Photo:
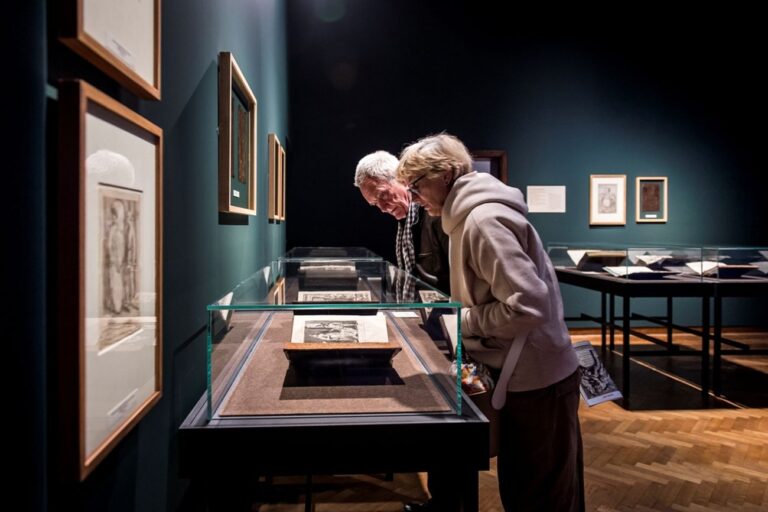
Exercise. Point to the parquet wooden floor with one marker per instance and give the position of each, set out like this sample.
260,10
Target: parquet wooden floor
662,460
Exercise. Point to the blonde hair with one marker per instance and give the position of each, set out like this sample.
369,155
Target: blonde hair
434,155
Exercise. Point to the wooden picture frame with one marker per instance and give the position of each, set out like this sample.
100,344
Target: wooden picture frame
492,161
109,275
276,200
277,292
651,199
283,186
607,199
238,112
120,38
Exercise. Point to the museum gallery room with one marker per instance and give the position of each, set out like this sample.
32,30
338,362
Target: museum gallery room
385,255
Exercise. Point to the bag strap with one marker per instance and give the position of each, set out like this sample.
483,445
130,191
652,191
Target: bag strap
510,362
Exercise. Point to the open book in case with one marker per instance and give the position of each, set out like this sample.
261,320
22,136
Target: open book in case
662,262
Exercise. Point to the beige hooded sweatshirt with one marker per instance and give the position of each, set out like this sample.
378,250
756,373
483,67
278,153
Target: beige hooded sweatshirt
505,282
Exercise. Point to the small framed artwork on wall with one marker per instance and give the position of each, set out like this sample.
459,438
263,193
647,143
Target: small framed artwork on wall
651,199
607,199
492,161
109,276
120,38
237,139
276,200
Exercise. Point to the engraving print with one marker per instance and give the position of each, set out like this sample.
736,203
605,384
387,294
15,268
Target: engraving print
242,143
330,331
606,194
335,296
120,214
650,197
596,384
431,296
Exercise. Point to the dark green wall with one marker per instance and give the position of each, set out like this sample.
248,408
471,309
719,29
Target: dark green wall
567,93
24,257
205,253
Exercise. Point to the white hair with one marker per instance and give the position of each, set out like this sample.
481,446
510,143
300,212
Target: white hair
380,165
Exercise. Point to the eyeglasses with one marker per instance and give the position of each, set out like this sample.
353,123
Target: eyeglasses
412,187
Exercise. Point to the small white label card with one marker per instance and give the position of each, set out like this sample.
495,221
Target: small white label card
546,199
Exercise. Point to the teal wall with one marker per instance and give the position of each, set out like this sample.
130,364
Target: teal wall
24,256
683,106
205,253
567,92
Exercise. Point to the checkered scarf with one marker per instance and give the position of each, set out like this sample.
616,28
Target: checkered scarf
406,255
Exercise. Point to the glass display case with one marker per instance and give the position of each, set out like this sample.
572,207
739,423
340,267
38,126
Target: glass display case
332,332
309,253
662,262
630,262
632,272
742,263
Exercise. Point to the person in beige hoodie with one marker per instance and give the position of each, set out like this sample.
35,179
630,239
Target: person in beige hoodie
511,320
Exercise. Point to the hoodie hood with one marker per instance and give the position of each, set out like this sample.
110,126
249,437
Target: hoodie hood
474,189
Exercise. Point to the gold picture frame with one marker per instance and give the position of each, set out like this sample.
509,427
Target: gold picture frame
109,275
276,201
607,199
238,112
651,199
122,39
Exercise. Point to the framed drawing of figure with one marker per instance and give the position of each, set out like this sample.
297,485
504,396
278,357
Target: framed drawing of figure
237,139
607,200
109,273
651,199
120,38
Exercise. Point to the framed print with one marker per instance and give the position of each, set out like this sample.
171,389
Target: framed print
277,292
276,179
109,276
335,296
237,139
492,161
607,199
281,186
651,199
120,37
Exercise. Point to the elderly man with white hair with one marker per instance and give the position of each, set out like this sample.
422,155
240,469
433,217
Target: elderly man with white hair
421,243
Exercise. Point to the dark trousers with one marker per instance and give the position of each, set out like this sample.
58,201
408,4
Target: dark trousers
540,463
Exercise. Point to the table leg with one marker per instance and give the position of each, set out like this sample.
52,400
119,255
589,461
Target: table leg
469,495
705,346
228,492
612,323
625,352
669,324
717,361
308,507
602,320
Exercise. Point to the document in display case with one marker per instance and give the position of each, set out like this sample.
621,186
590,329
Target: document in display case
629,262
749,263
350,350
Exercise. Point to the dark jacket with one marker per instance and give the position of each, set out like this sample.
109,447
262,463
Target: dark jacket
431,245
